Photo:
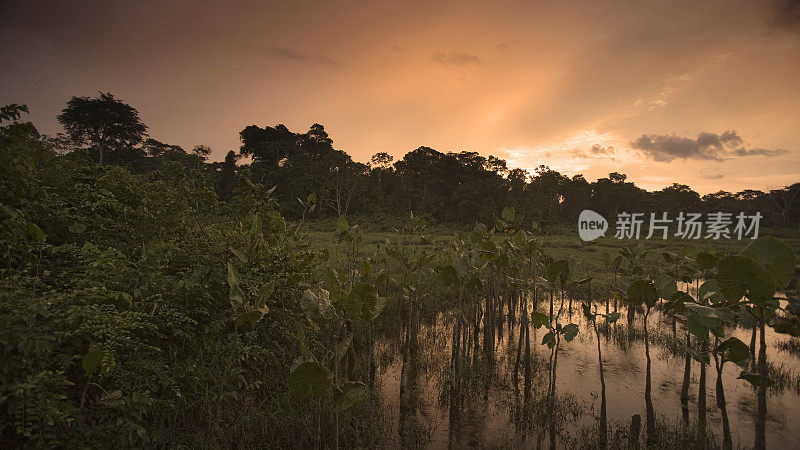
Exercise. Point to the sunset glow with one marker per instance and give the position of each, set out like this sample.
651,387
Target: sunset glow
532,82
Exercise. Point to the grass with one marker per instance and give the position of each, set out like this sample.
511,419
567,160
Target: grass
670,436
791,345
562,242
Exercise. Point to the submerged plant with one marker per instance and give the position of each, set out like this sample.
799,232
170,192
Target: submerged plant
553,339
610,318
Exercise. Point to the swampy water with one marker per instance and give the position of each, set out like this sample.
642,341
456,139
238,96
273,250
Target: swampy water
493,414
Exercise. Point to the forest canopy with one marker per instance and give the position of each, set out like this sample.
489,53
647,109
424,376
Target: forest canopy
447,187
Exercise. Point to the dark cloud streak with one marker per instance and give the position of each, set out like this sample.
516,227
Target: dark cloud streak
709,146
596,151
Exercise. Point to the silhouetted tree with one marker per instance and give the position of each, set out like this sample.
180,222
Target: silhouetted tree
228,177
12,112
676,198
381,160
201,152
104,123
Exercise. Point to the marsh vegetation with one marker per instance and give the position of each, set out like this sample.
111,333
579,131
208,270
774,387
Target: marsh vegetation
162,301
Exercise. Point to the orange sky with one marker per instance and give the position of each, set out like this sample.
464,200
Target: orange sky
533,82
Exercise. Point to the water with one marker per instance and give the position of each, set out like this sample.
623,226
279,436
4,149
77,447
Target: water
491,404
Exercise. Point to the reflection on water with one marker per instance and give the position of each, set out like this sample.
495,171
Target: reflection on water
493,411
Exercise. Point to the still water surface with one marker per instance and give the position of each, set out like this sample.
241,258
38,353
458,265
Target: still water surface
488,418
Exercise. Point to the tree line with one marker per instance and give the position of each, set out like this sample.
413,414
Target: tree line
450,187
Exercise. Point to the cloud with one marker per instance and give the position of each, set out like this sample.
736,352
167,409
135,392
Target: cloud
598,149
785,15
665,148
712,175
456,59
290,54
595,151
741,151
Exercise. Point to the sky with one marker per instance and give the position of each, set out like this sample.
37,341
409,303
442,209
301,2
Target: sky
704,93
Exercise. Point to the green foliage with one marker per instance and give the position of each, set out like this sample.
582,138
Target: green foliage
105,123
135,305
642,292
774,256
12,112
125,301
739,276
310,378
570,331
539,320
732,349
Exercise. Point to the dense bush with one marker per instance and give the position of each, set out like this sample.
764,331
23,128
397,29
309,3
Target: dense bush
117,322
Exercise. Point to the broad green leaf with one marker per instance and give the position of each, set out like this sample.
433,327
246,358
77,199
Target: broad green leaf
705,260
341,348
309,378
239,255
721,313
233,275
733,350
570,331
709,292
35,231
666,286
549,339
265,293
277,223
678,300
689,251
508,214
342,224
703,319
696,325
738,276
316,304
361,301
642,292
773,255
557,271
367,268
539,319
92,359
